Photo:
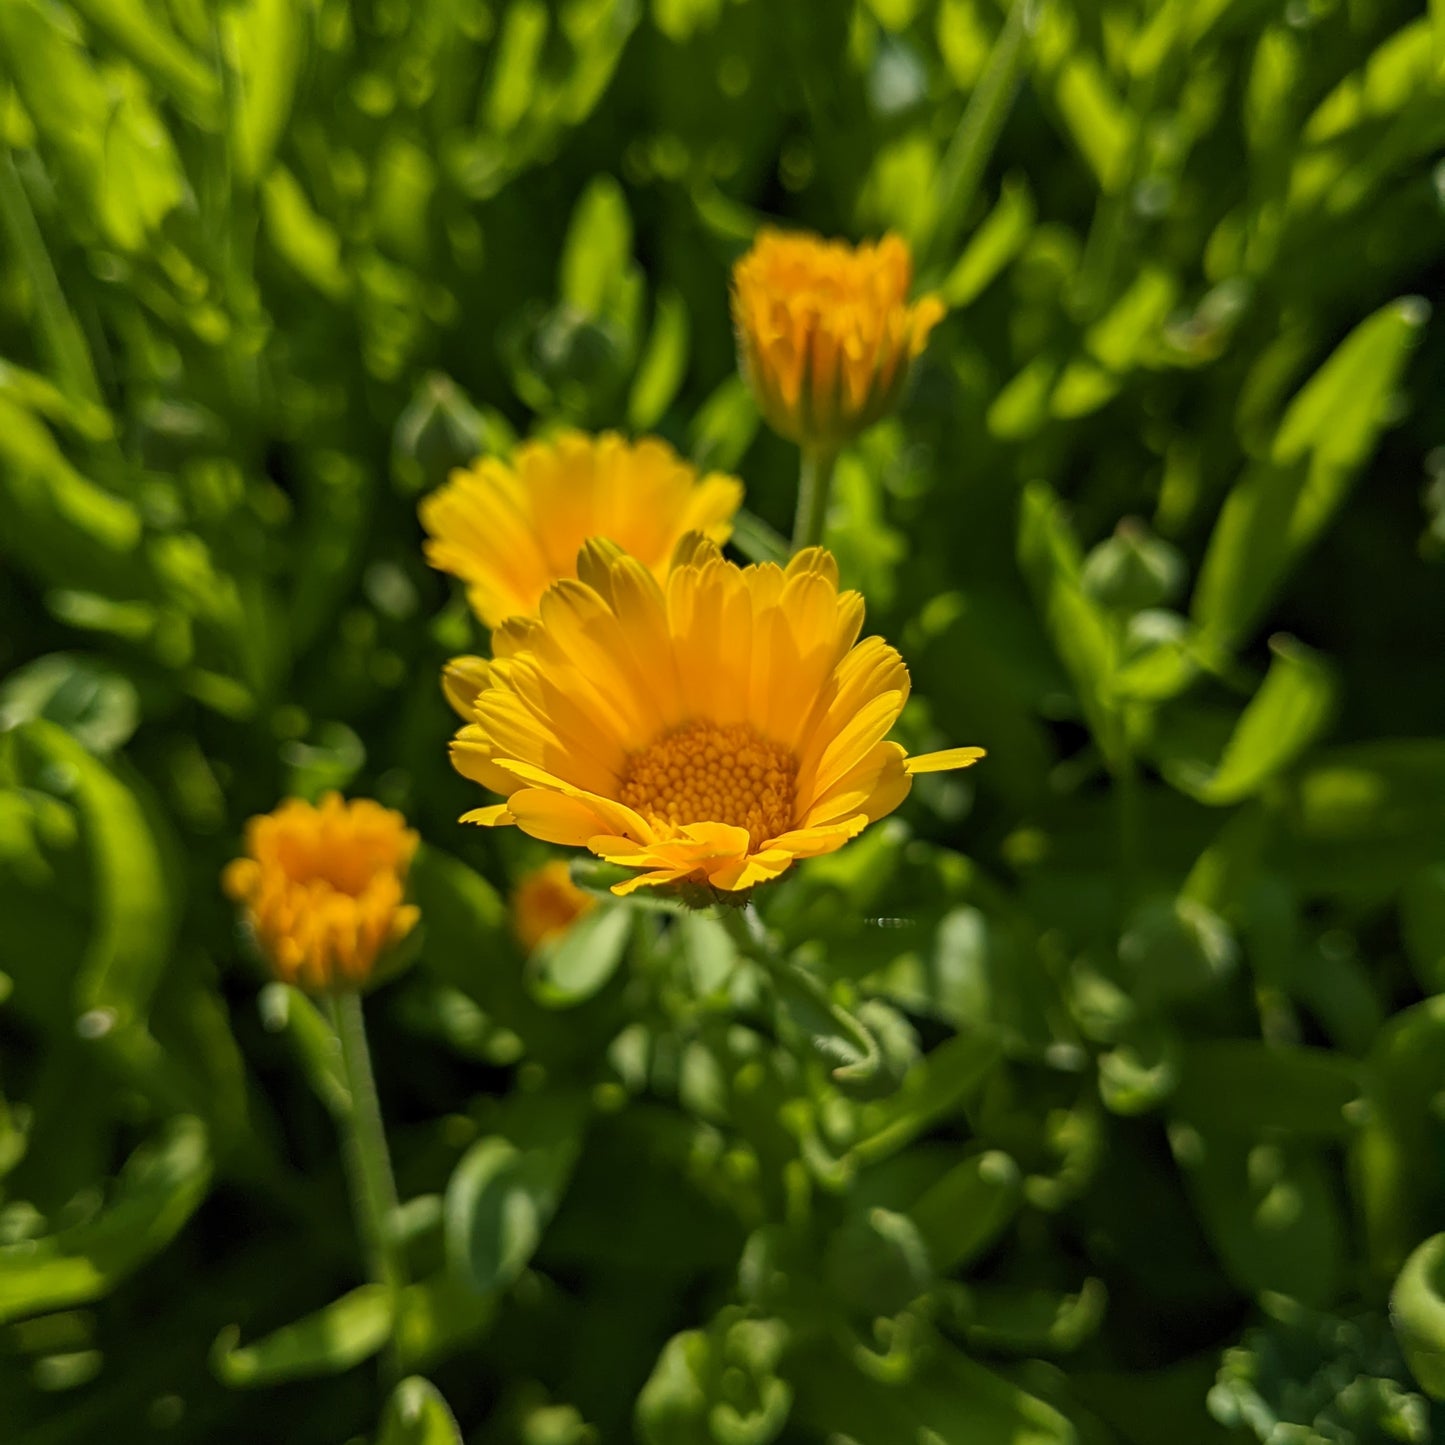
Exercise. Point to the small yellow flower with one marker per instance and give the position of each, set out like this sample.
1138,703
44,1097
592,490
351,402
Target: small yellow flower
713,728
323,886
510,531
826,333
547,903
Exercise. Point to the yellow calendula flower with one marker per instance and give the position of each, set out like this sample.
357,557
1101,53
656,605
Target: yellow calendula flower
826,333
323,888
547,903
509,530
712,728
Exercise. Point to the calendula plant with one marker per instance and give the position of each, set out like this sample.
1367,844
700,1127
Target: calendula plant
764,1070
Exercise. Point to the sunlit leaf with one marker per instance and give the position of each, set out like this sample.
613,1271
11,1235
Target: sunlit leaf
265,42
570,967
506,1189
416,1414
1288,712
1417,1310
1278,509
159,1189
339,1337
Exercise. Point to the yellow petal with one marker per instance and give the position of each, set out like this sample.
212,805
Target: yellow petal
463,678
495,816
942,762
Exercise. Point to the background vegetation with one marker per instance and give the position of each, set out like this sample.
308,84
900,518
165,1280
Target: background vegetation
1158,985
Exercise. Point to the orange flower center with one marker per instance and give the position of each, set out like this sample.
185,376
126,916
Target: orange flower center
702,773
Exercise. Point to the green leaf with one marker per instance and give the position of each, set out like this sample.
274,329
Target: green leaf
1362,818
597,254
718,1386
301,237
1081,634
416,1414
130,941
60,337
1246,1085
286,1009
504,1192
836,1034
663,364
337,1338
1422,922
724,426
514,69
570,967
437,1317
1398,1160
1281,720
160,1187
933,1088
949,1398
1270,1211
1282,504
1157,659
1417,1310
14,1137
962,1214
1176,949
110,151
757,541
137,31
99,708
1141,1072
999,238
876,1263
1121,339
66,530
264,40
1034,1321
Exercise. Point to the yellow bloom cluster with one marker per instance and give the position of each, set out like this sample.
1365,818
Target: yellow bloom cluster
323,888
693,720
826,333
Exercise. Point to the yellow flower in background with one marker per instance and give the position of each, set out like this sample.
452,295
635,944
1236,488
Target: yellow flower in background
323,888
826,333
509,530
712,728
547,903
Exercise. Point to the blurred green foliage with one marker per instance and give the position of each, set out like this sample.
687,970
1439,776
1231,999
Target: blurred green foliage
1029,1137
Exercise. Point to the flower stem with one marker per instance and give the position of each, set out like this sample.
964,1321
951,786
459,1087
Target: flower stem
835,1034
363,1139
977,134
815,477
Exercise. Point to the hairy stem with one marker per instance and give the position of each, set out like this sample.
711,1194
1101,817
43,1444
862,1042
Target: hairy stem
368,1160
815,477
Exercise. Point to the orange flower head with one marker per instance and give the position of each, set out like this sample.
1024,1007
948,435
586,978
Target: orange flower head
509,530
546,903
323,886
826,333
712,728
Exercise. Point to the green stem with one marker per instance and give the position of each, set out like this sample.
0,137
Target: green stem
815,477
835,1034
748,932
363,1139
977,134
